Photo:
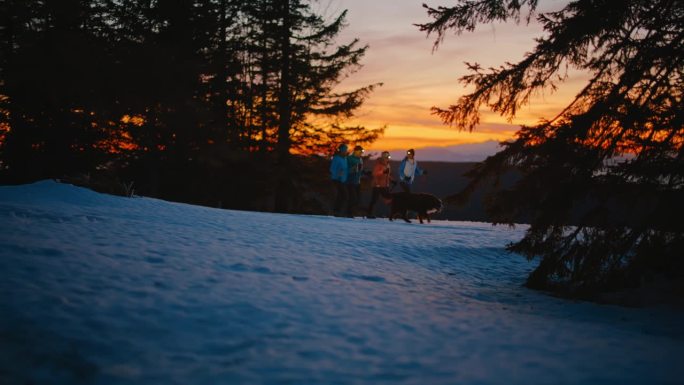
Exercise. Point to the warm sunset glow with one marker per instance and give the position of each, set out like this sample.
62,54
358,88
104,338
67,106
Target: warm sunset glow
416,79
122,142
135,120
4,129
4,126
626,141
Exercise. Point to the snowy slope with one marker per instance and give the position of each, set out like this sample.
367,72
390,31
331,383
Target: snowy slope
96,289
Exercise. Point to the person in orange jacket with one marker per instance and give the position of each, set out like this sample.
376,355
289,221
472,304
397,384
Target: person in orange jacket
381,180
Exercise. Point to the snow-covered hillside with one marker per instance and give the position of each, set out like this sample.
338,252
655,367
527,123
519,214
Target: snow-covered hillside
96,289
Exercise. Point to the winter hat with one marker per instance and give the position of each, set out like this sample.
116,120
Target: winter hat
343,147
385,154
358,148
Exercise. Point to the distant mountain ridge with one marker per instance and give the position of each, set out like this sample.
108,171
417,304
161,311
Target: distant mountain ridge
471,152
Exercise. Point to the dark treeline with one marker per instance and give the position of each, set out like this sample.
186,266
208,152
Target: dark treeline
217,102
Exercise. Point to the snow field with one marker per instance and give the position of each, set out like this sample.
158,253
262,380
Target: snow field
99,289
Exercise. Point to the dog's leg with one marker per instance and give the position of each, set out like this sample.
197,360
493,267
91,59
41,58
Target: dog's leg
406,216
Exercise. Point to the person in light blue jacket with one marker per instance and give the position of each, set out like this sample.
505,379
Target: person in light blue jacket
338,175
409,170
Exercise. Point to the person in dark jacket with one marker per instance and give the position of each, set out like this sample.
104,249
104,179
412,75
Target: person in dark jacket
338,175
355,171
381,180
409,170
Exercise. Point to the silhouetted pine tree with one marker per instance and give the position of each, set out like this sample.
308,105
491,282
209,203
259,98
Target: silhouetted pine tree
54,96
284,94
291,66
250,85
603,182
316,68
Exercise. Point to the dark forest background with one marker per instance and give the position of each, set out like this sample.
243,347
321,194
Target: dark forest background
223,103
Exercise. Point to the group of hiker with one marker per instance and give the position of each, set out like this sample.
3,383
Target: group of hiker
347,169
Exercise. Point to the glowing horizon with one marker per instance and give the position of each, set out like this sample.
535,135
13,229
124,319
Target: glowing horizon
416,78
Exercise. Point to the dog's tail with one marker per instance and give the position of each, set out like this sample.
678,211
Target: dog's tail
438,207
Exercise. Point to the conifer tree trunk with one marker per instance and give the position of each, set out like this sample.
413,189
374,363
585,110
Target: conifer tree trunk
222,74
283,190
284,107
263,146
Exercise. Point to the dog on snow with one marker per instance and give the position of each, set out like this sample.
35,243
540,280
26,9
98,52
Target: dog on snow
421,203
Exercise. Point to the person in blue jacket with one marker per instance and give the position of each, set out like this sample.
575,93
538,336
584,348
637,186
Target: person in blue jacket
338,175
355,171
409,170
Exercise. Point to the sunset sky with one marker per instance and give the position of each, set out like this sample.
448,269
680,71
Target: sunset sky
415,78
